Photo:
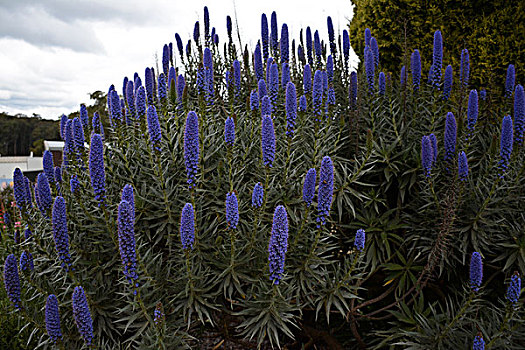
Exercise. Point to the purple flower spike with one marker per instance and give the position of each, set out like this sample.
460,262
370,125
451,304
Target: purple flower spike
130,99
519,114
427,155
254,100
450,137
44,193
154,131
375,50
382,83
285,75
78,133
307,79
278,245
257,195
291,108
52,319
479,343
352,90
360,239
126,240
229,132
309,186
331,35
191,148
309,46
302,104
505,144
268,141
368,36
462,166
274,34
325,192
285,49
346,46
464,72
96,168
232,211
472,111
63,121
60,232
19,188
257,63
510,81
514,289
476,271
317,46
187,227
369,69
317,94
165,59
84,118
264,35
437,58
82,315
415,66
12,280
266,106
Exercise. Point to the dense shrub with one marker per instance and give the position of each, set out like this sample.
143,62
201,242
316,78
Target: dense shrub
223,199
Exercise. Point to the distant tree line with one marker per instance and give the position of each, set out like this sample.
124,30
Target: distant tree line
20,134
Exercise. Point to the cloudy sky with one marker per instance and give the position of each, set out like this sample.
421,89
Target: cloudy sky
53,53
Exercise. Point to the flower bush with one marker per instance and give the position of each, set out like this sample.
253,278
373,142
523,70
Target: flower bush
194,209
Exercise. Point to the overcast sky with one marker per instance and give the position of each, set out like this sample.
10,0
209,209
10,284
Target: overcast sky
53,53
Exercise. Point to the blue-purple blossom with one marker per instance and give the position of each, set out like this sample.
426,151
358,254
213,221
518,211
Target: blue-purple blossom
317,94
188,48
257,195
285,49
368,36
427,155
126,240
403,76
12,280
78,133
196,33
447,84
237,76
137,82
300,54
84,118
163,90
44,193
476,271
346,46
26,262
29,200
433,142
415,67
285,75
317,46
479,343
254,100
360,239
27,234
483,94
181,85
82,315
154,131
158,314
437,58
331,35
505,143
451,131
232,211
273,83
229,131
369,69
309,45
96,168
257,63
7,218
268,141
309,186
63,121
510,81
60,232
74,184
187,227
302,104
274,34
519,114
264,35
325,192
229,26
266,106
150,87
140,99
382,83
19,188
115,111
191,147
291,108
514,289
278,245
165,58
179,45
206,24
69,141
375,51
307,79
464,72
462,166
262,89
52,319
125,88
472,111
130,99
57,172
330,69
325,81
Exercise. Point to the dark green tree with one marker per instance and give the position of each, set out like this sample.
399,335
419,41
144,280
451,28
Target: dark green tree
492,31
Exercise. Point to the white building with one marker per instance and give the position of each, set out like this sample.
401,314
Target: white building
25,163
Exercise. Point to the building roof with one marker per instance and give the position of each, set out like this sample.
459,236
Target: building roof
53,145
